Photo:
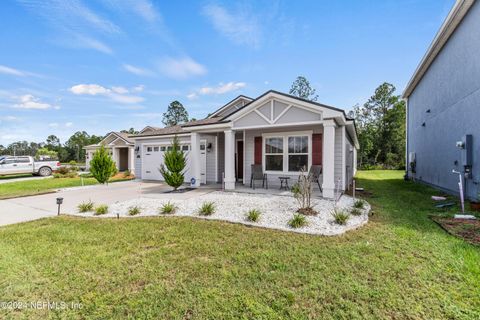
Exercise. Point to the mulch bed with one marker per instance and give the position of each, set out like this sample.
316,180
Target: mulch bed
468,230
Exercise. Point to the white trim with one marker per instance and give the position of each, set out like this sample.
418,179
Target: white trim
261,115
285,154
292,124
162,136
244,157
282,113
344,160
216,158
232,103
208,128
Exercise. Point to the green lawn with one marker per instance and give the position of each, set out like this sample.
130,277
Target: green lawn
399,266
39,186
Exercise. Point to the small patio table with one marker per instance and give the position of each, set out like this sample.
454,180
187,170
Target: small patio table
284,183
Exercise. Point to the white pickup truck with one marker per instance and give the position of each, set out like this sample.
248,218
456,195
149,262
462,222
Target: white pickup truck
25,164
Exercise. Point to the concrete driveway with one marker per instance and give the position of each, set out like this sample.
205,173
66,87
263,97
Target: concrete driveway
41,206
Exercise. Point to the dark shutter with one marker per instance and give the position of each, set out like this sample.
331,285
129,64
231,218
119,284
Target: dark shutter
317,142
258,150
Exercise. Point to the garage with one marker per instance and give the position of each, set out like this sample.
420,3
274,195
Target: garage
153,158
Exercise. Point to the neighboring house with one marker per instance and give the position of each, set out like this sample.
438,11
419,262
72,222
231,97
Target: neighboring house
119,146
281,132
443,105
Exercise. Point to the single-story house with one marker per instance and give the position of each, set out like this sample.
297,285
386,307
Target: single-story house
443,105
280,132
120,146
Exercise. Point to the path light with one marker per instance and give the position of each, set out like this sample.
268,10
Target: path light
59,202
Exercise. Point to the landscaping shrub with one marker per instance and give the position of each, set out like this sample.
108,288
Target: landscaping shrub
207,209
73,165
253,215
356,212
340,216
359,204
302,192
174,163
127,173
133,211
102,167
297,221
167,208
65,172
101,209
85,206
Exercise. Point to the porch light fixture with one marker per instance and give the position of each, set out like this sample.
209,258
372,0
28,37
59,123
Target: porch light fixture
209,147
423,124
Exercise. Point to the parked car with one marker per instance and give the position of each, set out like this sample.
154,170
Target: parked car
25,164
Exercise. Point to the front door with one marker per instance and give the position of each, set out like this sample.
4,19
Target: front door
239,160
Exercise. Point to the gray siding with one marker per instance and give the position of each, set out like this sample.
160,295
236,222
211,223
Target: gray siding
339,156
450,89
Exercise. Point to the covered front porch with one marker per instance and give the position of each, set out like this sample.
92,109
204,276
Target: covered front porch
274,138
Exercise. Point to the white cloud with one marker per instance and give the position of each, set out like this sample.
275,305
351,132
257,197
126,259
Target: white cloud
240,27
223,88
68,124
220,89
181,68
117,94
28,101
8,118
138,88
91,89
145,9
12,71
192,96
53,125
91,43
120,90
137,70
72,15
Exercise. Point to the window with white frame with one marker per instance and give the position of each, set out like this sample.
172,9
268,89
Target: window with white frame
274,154
297,153
287,152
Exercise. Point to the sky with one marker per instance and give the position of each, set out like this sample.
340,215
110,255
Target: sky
108,65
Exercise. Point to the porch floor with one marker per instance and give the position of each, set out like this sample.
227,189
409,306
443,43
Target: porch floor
273,190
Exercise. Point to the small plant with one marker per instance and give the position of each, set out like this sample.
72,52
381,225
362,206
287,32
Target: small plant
133,211
356,212
297,221
253,215
359,204
167,208
174,164
127,173
207,209
85,206
101,209
340,216
302,192
102,167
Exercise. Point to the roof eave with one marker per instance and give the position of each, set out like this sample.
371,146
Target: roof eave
454,18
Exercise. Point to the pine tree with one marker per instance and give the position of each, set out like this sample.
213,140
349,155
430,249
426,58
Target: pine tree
174,164
102,166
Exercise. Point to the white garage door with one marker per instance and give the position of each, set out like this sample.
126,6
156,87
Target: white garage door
153,159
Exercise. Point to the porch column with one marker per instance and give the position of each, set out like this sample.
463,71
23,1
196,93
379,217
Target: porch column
115,157
195,160
229,160
131,159
328,163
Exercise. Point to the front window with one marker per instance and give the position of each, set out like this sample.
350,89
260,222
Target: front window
274,154
297,153
287,153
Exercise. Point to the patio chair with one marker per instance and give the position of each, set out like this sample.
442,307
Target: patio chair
258,174
316,173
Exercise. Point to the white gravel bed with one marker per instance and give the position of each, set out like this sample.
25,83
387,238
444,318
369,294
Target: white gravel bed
275,210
